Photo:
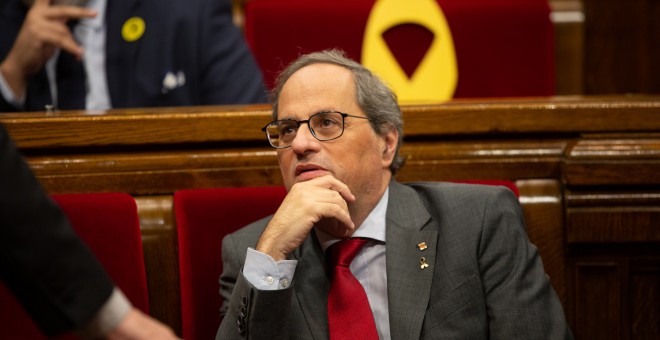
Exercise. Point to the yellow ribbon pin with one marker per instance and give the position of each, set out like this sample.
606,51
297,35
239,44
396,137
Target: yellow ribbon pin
133,29
436,76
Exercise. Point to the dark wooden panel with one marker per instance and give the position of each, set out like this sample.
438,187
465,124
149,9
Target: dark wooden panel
644,294
622,161
613,216
613,224
648,196
159,241
597,301
621,46
144,173
481,159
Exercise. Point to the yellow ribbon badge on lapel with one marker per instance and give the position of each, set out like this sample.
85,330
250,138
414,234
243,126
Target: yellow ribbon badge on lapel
133,29
436,76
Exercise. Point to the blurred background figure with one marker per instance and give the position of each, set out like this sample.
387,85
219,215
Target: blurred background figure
101,54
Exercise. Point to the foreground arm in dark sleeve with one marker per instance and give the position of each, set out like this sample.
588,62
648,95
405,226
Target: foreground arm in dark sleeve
51,271
42,261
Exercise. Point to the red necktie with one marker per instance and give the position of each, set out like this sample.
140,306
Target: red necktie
349,314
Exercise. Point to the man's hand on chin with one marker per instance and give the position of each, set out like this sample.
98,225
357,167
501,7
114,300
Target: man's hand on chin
307,203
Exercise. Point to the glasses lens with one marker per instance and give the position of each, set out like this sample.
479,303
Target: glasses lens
327,125
281,133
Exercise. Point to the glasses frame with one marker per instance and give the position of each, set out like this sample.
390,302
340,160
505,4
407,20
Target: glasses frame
311,130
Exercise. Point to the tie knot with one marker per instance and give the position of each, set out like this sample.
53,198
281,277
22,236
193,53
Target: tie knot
343,252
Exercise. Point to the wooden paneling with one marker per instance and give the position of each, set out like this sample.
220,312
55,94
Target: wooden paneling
481,159
615,291
157,172
224,126
644,292
613,216
613,224
159,243
621,46
597,301
624,160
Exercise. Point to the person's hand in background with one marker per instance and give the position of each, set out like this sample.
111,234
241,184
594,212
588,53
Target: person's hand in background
44,31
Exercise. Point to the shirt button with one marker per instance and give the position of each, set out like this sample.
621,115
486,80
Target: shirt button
284,283
269,280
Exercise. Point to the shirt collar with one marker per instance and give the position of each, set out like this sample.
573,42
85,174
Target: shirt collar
373,226
99,19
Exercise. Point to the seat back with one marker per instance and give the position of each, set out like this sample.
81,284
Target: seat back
508,184
108,223
503,48
203,218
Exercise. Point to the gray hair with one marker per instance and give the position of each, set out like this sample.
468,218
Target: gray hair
377,101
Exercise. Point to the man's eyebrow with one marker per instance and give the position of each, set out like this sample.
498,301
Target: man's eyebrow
283,117
325,111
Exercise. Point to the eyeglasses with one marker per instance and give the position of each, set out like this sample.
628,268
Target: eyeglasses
327,125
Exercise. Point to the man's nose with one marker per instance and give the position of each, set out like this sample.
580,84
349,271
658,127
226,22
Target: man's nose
304,139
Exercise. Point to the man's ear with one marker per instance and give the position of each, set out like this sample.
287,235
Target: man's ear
391,138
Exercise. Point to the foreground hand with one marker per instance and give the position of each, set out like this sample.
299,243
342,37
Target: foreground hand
323,199
136,325
44,30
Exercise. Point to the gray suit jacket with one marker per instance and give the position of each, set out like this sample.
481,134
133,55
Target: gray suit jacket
484,280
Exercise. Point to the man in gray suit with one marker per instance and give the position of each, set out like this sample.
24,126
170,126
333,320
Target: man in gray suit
448,261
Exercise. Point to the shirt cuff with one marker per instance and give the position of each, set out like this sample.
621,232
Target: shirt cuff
9,95
264,273
107,318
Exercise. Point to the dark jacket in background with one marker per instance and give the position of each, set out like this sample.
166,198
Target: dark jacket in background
196,38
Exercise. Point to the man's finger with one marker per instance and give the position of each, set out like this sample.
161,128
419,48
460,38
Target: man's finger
59,36
69,13
41,3
338,186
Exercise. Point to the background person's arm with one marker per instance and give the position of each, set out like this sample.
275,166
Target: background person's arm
43,31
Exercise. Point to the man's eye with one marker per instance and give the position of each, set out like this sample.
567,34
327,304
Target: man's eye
287,130
328,122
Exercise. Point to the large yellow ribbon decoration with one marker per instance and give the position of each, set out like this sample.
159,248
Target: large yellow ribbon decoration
437,74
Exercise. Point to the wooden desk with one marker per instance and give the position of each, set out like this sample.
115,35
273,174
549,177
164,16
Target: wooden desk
588,170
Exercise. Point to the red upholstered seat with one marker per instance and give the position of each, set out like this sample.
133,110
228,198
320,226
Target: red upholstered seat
203,218
108,223
510,185
504,48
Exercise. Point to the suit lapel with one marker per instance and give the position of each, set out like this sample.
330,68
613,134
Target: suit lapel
312,285
408,284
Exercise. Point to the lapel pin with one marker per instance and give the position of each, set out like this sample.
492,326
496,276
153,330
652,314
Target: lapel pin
133,29
422,246
422,263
